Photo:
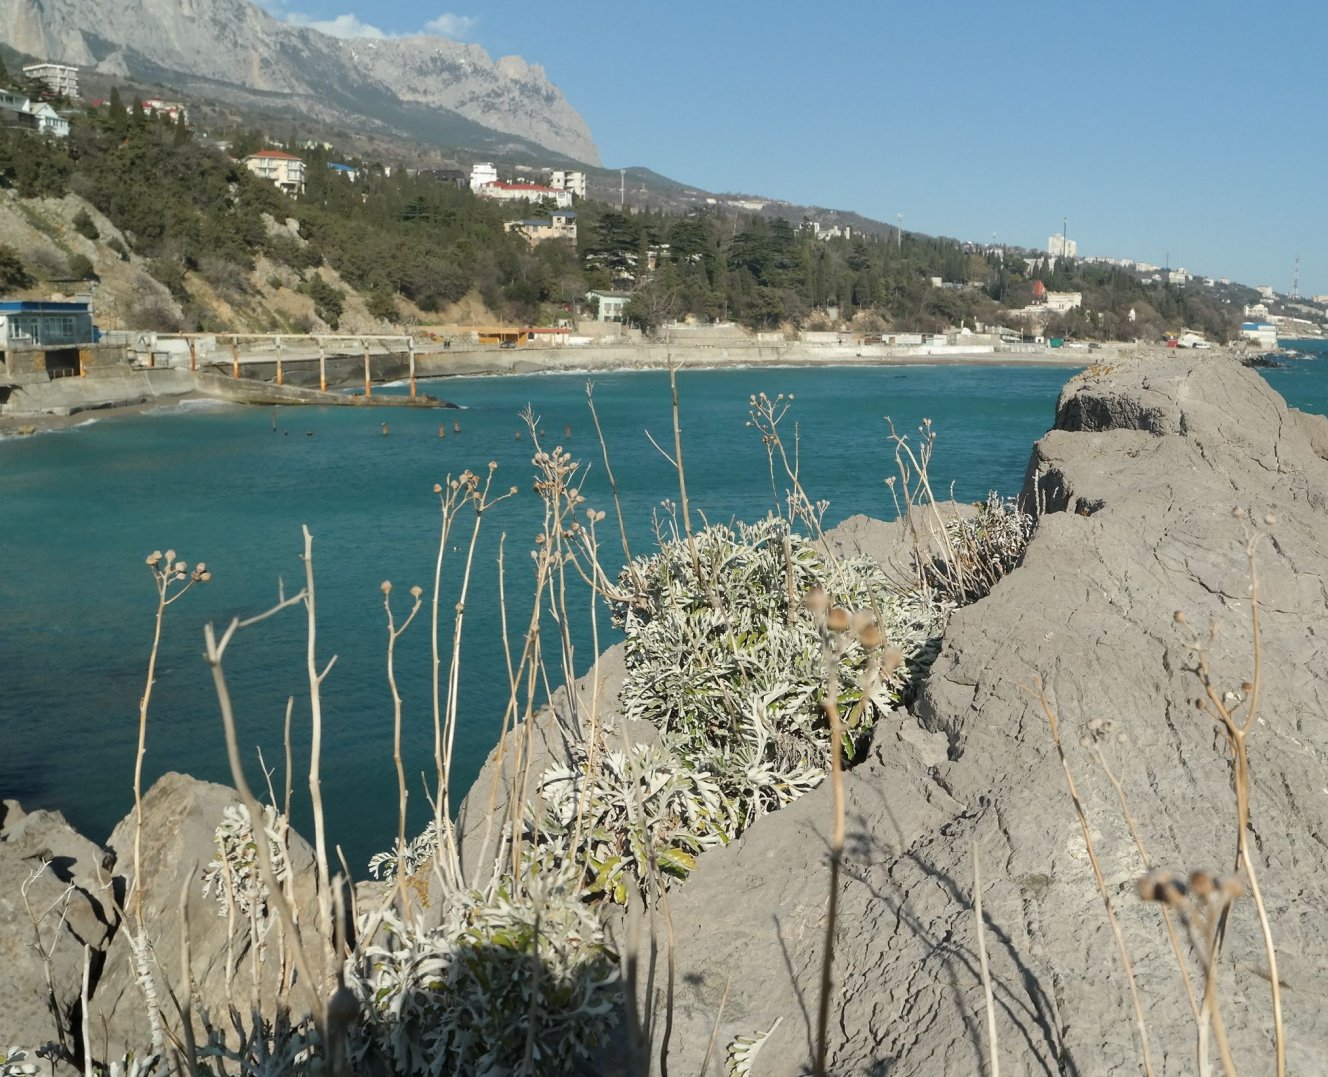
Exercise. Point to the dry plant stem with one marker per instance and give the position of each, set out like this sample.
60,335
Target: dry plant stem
86,1029
682,474
215,650
993,1056
43,951
1147,860
315,760
1123,950
836,856
714,1029
613,482
393,634
187,980
1237,735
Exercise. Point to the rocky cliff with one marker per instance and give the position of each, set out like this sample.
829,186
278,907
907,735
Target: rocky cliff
419,85
1138,480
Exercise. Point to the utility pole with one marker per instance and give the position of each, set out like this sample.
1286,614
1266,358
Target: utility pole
899,232
622,188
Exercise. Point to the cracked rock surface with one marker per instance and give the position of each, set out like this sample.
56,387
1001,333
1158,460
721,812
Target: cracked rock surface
1138,482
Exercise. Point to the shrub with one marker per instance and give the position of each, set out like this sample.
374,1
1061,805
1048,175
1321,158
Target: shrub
84,225
730,662
13,273
81,267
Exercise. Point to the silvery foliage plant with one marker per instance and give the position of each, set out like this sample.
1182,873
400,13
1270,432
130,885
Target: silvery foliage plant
505,984
731,668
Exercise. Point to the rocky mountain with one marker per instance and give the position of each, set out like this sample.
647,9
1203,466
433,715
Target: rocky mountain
427,87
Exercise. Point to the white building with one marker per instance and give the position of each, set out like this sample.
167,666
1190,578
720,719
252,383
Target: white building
1060,247
60,79
611,305
1060,302
1266,290
155,106
1261,333
1178,276
276,166
17,111
571,182
500,191
481,175
560,224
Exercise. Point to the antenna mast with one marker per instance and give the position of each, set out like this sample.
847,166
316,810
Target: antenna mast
1295,280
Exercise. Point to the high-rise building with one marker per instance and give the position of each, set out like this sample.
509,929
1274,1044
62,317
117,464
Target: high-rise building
60,79
1061,247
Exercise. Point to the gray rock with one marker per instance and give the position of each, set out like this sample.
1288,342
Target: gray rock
55,903
1139,482
180,817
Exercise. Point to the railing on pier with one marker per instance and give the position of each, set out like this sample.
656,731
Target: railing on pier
287,349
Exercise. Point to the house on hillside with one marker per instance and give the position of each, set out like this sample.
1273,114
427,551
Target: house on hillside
609,306
18,111
59,79
500,191
284,169
560,224
348,171
172,110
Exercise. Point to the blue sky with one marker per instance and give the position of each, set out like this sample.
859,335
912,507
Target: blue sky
1170,129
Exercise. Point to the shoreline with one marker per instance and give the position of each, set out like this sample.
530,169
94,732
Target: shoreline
492,363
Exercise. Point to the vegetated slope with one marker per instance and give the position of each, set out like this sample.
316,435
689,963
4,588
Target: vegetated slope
221,44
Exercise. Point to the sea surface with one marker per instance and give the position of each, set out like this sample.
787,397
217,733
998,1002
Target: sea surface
82,508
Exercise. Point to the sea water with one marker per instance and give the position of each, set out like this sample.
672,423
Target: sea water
82,509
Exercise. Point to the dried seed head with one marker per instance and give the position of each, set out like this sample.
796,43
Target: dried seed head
385,587
205,577
816,599
1230,887
154,557
1202,885
170,555
871,637
416,591
511,491
437,488
837,620
892,658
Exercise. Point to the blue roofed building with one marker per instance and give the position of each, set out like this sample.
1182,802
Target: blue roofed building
47,336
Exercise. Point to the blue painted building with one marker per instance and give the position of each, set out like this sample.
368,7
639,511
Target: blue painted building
41,324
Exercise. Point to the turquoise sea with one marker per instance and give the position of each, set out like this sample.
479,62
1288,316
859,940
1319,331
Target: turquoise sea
82,508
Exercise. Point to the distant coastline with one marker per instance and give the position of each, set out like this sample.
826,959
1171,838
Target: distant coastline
489,361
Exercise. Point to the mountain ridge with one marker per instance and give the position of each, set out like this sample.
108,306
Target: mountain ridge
236,44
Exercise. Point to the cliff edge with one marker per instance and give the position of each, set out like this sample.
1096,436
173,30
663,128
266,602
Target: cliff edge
1137,484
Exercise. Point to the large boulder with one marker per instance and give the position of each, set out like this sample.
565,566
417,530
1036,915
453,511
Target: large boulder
1137,486
55,901
180,818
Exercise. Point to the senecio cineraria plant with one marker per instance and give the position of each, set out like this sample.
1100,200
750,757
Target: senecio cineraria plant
724,657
